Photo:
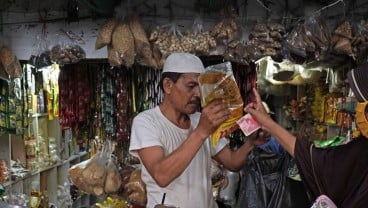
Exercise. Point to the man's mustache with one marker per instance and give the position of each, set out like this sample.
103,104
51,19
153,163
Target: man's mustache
195,101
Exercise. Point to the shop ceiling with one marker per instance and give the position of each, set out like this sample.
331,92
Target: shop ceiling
74,10
23,20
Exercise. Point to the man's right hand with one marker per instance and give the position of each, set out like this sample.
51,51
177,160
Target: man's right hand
213,115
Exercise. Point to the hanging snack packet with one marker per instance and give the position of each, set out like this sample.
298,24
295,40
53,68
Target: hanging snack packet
218,82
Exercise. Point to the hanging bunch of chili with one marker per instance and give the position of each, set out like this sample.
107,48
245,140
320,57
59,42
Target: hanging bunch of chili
123,127
75,97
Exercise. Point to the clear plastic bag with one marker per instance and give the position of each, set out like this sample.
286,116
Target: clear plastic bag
201,41
198,25
167,38
359,42
75,174
239,50
113,180
318,32
295,43
68,49
218,82
136,188
96,175
227,27
41,57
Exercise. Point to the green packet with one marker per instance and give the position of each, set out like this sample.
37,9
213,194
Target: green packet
331,142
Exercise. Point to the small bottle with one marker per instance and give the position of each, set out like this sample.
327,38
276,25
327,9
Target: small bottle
45,200
41,102
35,196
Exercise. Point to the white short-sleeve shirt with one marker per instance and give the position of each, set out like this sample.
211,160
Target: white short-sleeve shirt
193,187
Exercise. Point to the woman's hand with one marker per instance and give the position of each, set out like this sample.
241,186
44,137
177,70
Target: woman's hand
259,137
258,111
257,103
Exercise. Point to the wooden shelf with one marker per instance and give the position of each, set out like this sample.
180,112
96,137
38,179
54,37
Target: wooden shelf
49,178
32,173
39,115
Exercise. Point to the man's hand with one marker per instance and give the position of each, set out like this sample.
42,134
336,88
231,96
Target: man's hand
259,137
213,115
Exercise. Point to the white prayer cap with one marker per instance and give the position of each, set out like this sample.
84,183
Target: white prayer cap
183,63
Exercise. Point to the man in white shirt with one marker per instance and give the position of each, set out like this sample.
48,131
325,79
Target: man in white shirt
173,140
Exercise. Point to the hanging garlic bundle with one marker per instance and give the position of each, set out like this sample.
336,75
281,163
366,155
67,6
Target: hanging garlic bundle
203,41
169,39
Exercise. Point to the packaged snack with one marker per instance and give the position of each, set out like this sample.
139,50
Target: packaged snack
98,175
218,82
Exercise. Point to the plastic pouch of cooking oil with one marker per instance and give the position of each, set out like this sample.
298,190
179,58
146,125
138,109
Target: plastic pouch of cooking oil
218,82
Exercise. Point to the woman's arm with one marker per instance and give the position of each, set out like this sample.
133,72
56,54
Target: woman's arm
257,110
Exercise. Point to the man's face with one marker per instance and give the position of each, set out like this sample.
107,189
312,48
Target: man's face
184,95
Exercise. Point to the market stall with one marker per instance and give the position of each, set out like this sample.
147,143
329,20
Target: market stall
67,103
